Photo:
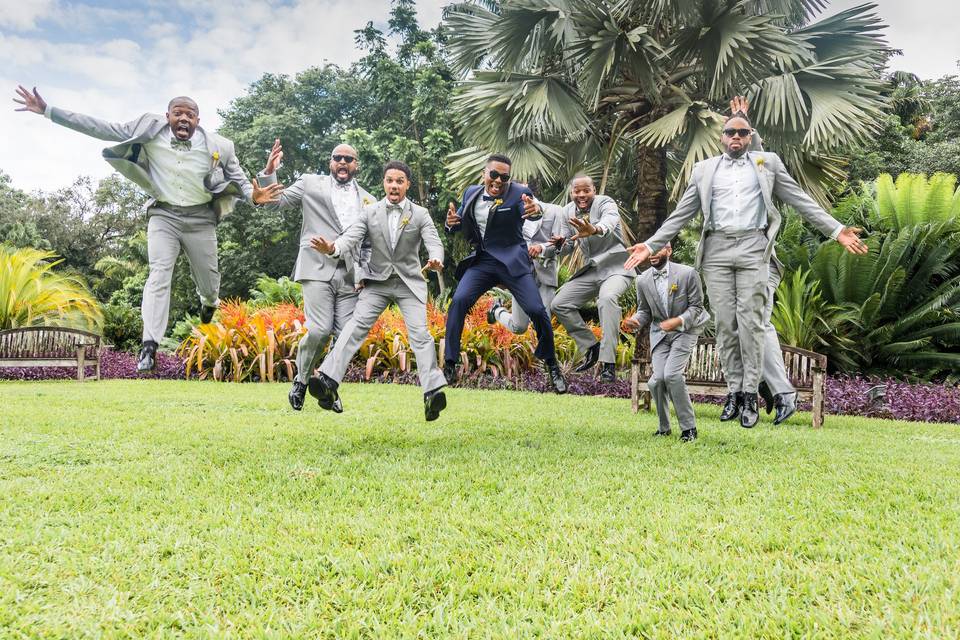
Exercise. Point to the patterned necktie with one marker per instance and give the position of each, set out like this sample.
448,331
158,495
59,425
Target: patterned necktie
180,145
659,273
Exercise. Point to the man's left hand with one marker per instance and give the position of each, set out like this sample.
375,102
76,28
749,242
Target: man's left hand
434,265
584,228
322,245
266,195
850,239
530,207
671,324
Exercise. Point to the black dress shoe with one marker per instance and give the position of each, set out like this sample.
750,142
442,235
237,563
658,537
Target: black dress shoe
450,372
433,403
324,389
688,436
662,433
556,377
297,392
750,413
147,360
206,314
786,404
608,372
767,395
732,407
492,313
589,358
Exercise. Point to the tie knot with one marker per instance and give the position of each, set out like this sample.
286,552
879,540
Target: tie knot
487,198
659,273
177,143
393,208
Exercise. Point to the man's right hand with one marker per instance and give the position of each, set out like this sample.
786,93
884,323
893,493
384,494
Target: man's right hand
535,250
273,161
322,245
30,101
452,218
630,324
639,253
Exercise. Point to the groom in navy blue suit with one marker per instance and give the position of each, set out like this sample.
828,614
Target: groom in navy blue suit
491,218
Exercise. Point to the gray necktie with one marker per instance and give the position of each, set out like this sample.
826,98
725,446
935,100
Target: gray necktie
181,145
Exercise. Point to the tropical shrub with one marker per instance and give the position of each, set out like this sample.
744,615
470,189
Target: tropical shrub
803,319
270,291
122,325
33,294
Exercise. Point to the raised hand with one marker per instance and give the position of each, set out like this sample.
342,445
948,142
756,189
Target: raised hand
30,101
850,239
639,253
275,158
452,218
557,241
630,324
530,207
739,104
268,194
322,245
434,265
584,228
535,250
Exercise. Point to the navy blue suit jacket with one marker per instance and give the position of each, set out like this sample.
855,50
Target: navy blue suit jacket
504,235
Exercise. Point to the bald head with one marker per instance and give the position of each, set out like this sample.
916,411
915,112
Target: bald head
582,191
183,116
343,163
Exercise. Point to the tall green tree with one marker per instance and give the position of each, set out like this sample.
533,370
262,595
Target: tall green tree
633,90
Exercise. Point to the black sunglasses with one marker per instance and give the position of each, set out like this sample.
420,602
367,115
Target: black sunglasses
339,158
743,133
494,175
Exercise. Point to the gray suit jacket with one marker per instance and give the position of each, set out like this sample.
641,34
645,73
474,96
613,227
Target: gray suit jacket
539,231
774,180
607,252
311,193
225,180
685,295
402,259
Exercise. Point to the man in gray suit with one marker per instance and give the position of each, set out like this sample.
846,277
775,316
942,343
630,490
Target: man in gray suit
329,204
543,253
670,300
397,229
735,192
592,224
193,178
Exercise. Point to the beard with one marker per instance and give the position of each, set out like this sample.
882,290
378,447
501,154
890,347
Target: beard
738,153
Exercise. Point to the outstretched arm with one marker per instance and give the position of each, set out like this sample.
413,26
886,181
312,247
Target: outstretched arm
87,125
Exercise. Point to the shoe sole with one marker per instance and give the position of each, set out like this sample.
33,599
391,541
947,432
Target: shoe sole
785,418
437,404
751,425
328,401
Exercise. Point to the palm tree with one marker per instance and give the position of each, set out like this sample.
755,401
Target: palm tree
633,89
32,293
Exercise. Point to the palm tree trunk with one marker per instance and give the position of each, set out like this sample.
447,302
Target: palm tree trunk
652,193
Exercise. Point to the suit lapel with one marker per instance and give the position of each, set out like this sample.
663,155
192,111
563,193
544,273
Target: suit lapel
706,187
326,197
761,178
383,224
652,290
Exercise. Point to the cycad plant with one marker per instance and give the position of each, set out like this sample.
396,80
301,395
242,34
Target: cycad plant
914,200
633,90
901,303
33,294
804,319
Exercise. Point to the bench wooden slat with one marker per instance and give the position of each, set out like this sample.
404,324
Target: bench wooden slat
51,347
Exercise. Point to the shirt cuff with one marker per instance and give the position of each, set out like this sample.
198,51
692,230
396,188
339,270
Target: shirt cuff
836,232
601,230
336,251
683,325
48,112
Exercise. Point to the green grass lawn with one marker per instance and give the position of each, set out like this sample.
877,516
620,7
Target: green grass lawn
167,509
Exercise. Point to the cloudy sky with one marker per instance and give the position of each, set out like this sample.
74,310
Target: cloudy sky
119,58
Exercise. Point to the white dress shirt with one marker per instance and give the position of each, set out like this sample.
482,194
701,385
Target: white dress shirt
346,201
394,217
736,198
661,279
481,212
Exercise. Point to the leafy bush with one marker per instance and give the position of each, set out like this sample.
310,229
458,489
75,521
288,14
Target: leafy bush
122,326
272,291
33,294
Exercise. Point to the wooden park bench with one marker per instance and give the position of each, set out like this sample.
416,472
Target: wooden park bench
806,370
51,347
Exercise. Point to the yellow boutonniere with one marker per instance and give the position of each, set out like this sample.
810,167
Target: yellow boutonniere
498,202
216,158
404,221
366,201
673,288
760,163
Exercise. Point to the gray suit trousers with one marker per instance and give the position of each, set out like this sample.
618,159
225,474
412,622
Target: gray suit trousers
774,371
328,305
516,320
577,292
193,229
669,360
374,298
736,277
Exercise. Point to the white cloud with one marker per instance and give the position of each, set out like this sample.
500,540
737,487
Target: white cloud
17,14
